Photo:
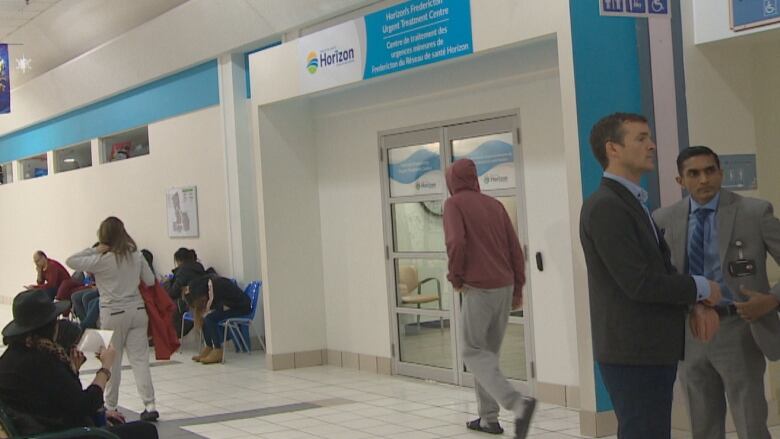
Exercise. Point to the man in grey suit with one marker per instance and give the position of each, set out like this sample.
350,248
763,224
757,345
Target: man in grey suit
726,237
638,302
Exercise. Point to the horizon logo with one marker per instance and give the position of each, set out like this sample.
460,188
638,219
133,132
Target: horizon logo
311,62
328,57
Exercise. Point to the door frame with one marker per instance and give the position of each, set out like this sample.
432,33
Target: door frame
455,375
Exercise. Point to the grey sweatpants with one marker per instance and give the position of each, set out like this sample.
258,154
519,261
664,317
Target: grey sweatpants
485,314
130,336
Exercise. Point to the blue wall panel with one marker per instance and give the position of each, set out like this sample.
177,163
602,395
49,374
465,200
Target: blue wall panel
187,91
607,79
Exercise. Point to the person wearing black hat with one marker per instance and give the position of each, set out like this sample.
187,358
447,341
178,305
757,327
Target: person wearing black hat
39,383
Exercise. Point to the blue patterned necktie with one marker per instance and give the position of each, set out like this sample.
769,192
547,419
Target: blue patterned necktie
697,250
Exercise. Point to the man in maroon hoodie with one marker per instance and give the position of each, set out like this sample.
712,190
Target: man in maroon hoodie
486,266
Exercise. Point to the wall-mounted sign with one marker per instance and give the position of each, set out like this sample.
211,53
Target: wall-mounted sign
634,8
5,80
415,170
401,37
182,206
494,157
739,172
746,14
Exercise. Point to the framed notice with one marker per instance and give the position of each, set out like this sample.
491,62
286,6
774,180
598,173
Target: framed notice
747,14
182,207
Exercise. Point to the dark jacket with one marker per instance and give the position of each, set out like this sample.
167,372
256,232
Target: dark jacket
38,384
183,275
638,302
228,294
482,244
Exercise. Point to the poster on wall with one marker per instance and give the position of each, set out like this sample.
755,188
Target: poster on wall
494,157
415,170
182,207
739,172
5,80
747,14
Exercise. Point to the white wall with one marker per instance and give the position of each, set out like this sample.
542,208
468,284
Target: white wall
346,127
290,241
719,92
767,121
60,213
194,32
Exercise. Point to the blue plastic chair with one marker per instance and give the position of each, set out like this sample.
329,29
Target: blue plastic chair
238,327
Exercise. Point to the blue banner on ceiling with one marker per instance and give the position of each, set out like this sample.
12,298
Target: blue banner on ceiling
5,80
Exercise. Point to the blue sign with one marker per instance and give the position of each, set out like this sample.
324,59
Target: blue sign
634,8
416,33
753,13
612,5
5,80
658,7
415,166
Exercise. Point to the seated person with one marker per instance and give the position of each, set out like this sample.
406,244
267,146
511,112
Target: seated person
187,269
78,281
149,260
51,274
39,382
86,306
211,300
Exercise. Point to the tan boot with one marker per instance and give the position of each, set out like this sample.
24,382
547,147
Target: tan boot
215,356
206,350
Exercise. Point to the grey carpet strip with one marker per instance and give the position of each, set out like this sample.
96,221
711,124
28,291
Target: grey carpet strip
127,367
172,429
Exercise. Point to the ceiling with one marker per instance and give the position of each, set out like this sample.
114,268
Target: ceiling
53,32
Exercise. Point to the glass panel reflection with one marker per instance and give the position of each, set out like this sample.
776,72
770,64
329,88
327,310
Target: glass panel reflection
512,358
425,340
421,283
418,227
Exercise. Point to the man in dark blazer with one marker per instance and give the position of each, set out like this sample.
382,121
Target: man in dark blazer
638,302
736,234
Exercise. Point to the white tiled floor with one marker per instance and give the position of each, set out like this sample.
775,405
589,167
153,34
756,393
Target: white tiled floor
344,403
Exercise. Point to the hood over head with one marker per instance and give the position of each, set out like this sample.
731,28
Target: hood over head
462,176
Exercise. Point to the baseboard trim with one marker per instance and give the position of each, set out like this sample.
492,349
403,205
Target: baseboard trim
347,360
598,424
558,394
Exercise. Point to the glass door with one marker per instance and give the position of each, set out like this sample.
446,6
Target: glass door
421,299
494,146
425,310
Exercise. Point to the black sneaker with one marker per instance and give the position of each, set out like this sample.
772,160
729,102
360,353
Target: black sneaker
150,416
523,423
492,427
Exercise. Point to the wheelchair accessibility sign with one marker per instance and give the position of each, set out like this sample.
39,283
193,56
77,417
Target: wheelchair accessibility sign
634,8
